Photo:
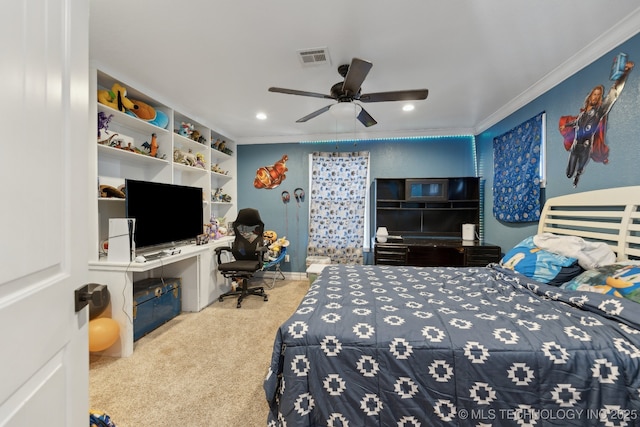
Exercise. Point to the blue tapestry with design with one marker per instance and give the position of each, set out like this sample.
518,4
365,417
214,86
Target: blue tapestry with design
516,166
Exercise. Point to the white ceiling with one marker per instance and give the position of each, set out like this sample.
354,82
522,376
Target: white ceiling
480,59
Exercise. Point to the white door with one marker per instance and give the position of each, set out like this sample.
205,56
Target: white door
44,190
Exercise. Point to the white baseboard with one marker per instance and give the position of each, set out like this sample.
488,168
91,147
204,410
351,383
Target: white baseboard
289,275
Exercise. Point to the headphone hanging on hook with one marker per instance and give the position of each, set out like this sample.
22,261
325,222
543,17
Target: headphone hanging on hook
286,197
299,194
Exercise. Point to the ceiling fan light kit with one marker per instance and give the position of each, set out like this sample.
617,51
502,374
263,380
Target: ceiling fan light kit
345,110
350,90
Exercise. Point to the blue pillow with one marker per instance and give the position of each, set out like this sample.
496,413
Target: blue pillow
621,280
544,266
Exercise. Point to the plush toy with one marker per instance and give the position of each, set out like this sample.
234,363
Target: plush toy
146,112
116,98
111,191
270,237
276,247
214,229
143,111
186,129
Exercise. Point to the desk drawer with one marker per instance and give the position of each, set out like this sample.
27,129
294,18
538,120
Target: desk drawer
391,255
480,256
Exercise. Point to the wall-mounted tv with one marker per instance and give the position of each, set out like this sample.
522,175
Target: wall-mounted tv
166,214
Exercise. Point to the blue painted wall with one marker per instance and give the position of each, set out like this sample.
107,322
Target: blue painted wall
433,157
455,156
623,138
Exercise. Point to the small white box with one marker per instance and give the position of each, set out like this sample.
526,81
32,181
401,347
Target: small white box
313,271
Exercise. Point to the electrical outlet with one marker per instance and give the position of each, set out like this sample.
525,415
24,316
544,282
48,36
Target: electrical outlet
286,258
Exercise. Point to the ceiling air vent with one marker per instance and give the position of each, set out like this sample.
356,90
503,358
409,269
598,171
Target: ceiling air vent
316,56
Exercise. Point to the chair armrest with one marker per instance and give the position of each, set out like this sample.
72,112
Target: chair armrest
219,250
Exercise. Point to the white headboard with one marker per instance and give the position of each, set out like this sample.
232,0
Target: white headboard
611,216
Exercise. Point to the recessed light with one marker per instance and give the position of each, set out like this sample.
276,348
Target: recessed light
261,116
408,107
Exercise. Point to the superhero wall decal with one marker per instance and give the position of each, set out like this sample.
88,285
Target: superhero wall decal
584,134
269,177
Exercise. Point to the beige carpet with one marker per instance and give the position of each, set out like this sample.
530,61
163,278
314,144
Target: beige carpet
199,369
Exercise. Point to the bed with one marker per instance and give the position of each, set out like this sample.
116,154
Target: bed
489,346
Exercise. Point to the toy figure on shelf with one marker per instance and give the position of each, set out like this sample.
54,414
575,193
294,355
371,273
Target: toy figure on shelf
214,229
200,161
197,137
186,129
153,147
103,124
217,195
185,158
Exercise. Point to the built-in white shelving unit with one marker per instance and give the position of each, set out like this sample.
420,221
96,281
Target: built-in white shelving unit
210,157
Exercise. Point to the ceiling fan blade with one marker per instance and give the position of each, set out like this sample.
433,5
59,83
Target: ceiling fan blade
397,95
314,114
299,92
358,71
366,119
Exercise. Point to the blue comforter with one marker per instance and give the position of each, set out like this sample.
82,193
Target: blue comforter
410,346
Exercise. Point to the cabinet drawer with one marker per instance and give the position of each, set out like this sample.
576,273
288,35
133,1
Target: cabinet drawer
479,256
391,255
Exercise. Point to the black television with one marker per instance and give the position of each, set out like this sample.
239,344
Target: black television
165,214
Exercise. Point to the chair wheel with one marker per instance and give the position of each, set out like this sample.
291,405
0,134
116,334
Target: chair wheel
266,298
238,305
220,299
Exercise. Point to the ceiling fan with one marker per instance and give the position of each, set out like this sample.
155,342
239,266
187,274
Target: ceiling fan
349,91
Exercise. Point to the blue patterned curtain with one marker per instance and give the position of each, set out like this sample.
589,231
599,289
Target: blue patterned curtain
337,206
516,165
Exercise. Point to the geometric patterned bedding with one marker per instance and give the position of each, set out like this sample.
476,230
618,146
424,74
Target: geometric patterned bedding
441,346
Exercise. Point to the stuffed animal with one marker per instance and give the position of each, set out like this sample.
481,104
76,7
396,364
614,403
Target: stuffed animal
143,111
186,129
276,247
270,237
116,98
214,229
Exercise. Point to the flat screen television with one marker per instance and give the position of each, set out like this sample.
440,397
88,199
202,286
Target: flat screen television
165,214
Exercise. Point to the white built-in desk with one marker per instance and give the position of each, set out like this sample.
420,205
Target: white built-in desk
195,265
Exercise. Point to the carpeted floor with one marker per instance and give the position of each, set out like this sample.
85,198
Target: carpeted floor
199,369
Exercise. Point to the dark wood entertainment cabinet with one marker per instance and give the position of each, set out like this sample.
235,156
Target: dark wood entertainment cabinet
436,253
424,217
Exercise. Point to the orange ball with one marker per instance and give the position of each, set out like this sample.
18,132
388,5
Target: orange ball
103,333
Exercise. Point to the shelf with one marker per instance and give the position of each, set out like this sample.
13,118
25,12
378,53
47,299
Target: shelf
110,200
125,120
130,156
190,143
116,165
190,169
220,155
220,175
460,204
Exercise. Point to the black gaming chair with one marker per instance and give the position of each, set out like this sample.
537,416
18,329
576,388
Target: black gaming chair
248,251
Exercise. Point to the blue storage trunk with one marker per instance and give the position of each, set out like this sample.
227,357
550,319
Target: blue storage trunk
155,302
